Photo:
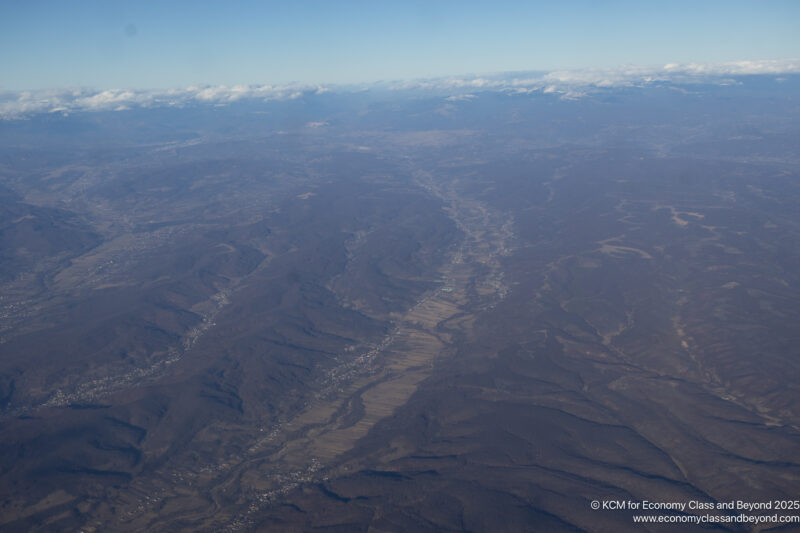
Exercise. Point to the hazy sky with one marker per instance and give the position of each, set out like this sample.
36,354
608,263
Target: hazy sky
164,44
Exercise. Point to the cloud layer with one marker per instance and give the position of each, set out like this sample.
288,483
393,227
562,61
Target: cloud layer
25,103
566,83
576,83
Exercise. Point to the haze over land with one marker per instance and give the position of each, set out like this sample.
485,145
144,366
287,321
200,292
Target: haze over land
457,304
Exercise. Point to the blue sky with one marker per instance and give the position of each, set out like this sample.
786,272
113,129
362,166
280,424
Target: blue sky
143,44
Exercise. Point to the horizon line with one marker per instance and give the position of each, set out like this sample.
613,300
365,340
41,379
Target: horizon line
566,83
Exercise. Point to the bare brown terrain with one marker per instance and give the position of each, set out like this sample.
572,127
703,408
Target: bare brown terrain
434,323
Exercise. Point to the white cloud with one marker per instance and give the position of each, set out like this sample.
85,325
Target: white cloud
460,97
569,84
572,84
23,103
740,68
